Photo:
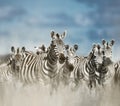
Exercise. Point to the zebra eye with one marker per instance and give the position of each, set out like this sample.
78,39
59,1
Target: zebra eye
66,47
13,49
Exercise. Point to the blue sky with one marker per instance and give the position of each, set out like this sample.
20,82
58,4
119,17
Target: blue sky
29,22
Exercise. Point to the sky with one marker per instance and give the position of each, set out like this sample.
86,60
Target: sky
29,23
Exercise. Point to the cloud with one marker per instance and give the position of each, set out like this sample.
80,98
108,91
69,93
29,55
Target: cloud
53,20
9,13
60,20
97,35
105,18
100,2
4,33
4,2
107,12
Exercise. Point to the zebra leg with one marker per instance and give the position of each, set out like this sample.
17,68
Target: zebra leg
99,81
94,81
90,84
53,86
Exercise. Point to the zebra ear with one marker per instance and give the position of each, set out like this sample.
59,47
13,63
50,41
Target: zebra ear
103,41
90,55
52,34
18,50
98,46
23,49
57,35
43,47
76,47
94,45
66,47
64,34
13,49
112,42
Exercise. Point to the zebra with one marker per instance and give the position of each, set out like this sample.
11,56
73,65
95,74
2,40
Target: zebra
67,68
117,73
85,67
12,63
106,70
5,59
4,67
107,48
44,67
5,73
16,59
40,49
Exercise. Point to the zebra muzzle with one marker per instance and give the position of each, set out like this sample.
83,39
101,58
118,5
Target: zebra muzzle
61,58
107,61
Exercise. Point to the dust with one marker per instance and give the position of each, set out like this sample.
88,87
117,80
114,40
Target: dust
12,94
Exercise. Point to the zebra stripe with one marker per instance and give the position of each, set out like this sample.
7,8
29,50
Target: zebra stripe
29,71
117,73
106,74
88,69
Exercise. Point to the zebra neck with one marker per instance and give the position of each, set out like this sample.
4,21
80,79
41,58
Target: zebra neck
48,69
68,66
104,71
92,65
52,58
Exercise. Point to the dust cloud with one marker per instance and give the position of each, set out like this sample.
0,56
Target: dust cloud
36,95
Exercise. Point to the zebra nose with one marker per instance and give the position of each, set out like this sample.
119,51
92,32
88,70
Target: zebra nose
61,58
108,61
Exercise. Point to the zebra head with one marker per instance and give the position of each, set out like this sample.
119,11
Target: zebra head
40,49
107,49
17,57
70,58
97,54
58,45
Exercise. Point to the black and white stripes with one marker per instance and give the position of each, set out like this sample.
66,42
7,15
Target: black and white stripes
107,69
67,68
11,66
87,67
44,66
59,63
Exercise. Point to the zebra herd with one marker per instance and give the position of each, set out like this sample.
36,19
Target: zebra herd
59,64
